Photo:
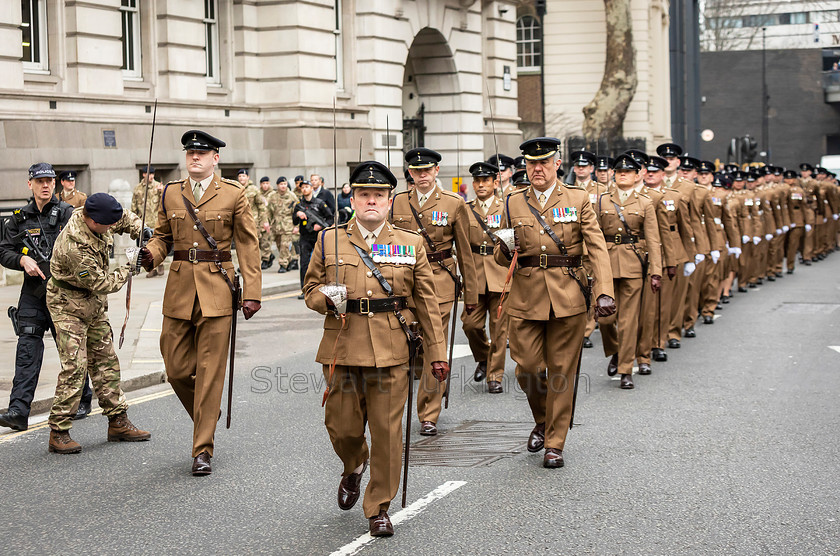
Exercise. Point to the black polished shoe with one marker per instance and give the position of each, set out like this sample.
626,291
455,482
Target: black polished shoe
627,382
644,369
536,440
494,387
807,263
380,526
719,306
612,366
708,319
771,278
779,275
725,299
480,371
742,289
790,271
673,344
301,296
201,465
427,428
271,260
82,412
658,354
281,270
690,333
753,285
263,265
348,489
587,343
294,265
553,458
14,420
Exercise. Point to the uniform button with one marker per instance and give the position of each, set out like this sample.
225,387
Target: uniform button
195,244
542,247
219,216
196,211
619,228
341,260
369,293
369,274
370,315
195,227
542,232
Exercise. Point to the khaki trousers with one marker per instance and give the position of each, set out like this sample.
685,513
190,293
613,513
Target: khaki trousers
647,322
621,335
491,351
195,353
695,286
710,285
555,344
376,397
794,240
808,245
430,392
678,302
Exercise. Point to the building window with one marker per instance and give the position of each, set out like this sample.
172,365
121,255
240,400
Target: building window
339,48
130,39
33,27
528,44
211,38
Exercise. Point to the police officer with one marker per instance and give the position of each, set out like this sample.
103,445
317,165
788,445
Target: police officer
198,302
27,246
77,297
369,382
547,304
311,215
68,192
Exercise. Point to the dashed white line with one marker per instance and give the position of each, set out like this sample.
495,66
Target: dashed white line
402,516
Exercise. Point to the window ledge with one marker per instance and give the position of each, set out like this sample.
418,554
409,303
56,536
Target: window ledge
39,77
139,85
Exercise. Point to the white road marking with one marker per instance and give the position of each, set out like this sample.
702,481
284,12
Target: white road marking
461,350
401,516
835,348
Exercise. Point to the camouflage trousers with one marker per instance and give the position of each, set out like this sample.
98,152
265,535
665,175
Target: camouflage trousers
85,341
265,244
286,248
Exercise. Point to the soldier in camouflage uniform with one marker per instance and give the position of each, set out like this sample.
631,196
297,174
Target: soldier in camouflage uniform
280,205
77,297
152,203
264,225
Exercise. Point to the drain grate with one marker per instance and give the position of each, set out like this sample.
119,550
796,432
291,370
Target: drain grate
808,308
471,444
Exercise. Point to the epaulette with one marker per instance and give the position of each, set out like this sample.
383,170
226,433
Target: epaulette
573,186
451,193
412,232
175,181
232,182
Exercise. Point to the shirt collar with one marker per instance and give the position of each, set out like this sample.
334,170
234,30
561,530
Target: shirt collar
547,192
364,231
205,183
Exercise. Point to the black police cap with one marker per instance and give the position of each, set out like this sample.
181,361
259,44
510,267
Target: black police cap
626,162
483,170
689,163
197,140
583,158
656,164
706,166
372,174
669,150
421,158
103,209
520,177
41,170
502,162
540,148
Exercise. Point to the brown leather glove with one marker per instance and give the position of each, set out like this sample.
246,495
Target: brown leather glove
655,282
249,308
604,306
440,370
468,309
672,271
147,260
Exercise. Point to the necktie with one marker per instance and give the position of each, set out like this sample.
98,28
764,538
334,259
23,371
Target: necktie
370,238
197,191
542,199
422,200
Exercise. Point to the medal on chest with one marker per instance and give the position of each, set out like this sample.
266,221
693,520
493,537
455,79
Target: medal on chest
566,214
669,205
748,202
593,198
716,201
394,254
440,218
494,220
796,196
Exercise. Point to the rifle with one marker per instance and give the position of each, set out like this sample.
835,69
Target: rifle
415,349
314,218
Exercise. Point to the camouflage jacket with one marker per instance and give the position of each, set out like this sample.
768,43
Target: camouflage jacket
152,203
255,199
81,256
281,206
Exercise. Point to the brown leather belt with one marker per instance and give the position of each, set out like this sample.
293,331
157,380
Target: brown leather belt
200,256
438,256
366,305
482,249
623,238
547,261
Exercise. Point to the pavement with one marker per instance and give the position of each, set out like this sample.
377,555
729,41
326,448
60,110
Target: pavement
140,360
730,447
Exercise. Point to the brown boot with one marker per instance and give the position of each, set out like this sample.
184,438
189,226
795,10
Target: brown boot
61,443
121,429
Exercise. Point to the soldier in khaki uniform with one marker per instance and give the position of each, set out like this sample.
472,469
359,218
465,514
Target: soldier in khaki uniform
486,213
281,206
368,345
68,192
505,167
723,218
704,291
595,188
148,204
264,225
796,213
197,303
77,297
547,302
445,221
631,230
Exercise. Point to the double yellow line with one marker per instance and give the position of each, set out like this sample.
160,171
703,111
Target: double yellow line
97,411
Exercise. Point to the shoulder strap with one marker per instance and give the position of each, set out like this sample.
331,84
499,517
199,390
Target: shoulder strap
422,228
213,246
389,291
546,227
484,225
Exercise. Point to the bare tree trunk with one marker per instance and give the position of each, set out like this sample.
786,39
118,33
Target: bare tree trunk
604,115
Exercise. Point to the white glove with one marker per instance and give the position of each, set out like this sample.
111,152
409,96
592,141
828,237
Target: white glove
792,225
787,228
699,258
807,227
715,256
756,240
825,219
779,231
688,269
835,216
768,237
745,239
735,251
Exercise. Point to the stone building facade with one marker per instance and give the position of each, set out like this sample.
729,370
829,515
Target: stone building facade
81,79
